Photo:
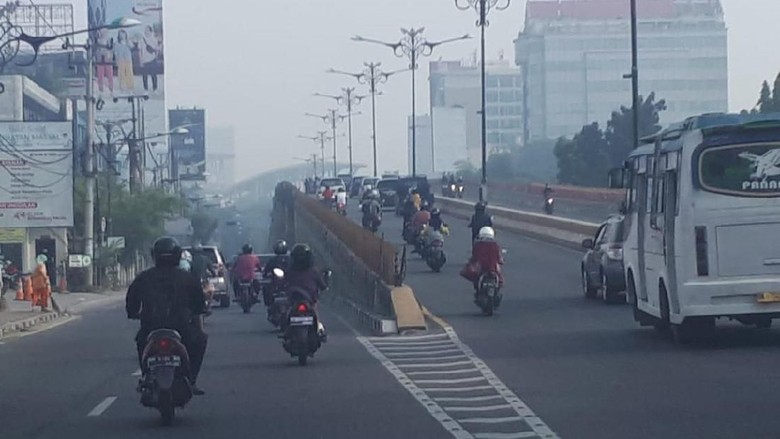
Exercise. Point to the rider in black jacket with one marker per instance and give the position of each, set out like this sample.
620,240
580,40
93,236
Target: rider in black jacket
166,297
480,219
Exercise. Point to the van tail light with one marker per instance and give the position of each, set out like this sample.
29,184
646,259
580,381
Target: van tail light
615,253
702,263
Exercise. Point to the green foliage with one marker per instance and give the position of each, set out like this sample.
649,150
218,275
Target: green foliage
620,127
583,160
203,227
465,169
501,165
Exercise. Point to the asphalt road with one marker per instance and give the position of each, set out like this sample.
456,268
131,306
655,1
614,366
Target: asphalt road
51,381
586,368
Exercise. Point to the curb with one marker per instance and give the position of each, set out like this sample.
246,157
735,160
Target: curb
22,325
377,324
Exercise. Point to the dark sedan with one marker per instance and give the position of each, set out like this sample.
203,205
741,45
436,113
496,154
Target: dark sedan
602,265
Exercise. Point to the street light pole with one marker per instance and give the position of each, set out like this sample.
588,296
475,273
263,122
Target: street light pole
372,76
332,118
482,8
634,74
321,138
412,45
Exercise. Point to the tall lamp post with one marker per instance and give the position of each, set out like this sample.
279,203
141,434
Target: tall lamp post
634,75
321,138
332,117
412,45
372,76
483,7
350,99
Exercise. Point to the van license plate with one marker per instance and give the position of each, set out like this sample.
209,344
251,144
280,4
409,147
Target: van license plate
769,297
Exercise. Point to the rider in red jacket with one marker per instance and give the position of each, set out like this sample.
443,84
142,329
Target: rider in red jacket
487,254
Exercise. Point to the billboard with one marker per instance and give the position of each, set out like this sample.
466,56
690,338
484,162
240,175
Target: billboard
189,150
36,174
130,63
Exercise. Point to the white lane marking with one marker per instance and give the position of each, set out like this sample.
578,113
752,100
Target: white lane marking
491,420
137,373
468,398
102,407
427,365
434,409
397,349
411,337
457,389
443,372
419,343
453,381
519,435
449,357
484,408
422,354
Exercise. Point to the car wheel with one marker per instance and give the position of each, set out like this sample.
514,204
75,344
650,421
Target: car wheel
604,291
664,323
587,289
224,301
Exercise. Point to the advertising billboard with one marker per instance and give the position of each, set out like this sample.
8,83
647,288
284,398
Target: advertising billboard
189,150
36,174
130,63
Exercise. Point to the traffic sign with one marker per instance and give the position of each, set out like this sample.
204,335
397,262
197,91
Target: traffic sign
117,242
79,261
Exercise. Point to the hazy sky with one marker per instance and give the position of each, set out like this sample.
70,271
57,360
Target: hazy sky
254,64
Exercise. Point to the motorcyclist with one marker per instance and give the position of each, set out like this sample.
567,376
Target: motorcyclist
327,194
548,191
435,221
419,221
341,197
372,209
166,297
486,254
408,211
480,219
201,265
245,267
281,260
304,279
416,199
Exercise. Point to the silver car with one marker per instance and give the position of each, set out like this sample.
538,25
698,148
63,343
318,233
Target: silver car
602,265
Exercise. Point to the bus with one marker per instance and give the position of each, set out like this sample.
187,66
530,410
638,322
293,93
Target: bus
703,224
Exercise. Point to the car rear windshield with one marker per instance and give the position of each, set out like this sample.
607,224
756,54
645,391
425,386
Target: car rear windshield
615,232
211,254
745,170
331,182
386,184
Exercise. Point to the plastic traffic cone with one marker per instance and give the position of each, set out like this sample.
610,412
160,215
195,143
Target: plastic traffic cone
19,291
27,287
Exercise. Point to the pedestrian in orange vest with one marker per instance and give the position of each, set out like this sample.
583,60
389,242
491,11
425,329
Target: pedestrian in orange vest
41,287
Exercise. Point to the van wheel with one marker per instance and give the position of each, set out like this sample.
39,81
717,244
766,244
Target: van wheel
587,289
664,324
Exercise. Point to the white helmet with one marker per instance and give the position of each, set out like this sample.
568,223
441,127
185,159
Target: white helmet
186,255
486,233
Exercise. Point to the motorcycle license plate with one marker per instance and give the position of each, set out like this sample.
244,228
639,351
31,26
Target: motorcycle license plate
302,321
164,361
280,299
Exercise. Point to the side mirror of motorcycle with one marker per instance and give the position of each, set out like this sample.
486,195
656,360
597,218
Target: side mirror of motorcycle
327,275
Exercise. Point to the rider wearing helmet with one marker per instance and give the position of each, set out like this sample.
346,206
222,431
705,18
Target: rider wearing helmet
245,267
372,208
305,279
166,297
201,265
486,254
480,219
281,260
185,263
436,222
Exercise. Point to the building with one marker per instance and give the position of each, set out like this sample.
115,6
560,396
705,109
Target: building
36,149
447,133
458,84
575,53
221,155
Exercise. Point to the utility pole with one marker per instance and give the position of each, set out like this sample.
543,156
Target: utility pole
89,170
136,153
332,117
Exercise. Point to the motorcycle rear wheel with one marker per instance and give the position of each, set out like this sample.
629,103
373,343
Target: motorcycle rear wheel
167,410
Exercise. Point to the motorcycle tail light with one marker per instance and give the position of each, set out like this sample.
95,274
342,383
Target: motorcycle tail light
164,344
302,307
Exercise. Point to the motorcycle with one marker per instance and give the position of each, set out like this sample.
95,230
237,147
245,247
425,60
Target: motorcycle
372,222
434,251
488,295
459,190
302,336
246,296
279,306
165,383
341,209
549,205
208,295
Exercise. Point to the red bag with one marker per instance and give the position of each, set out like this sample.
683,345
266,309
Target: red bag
471,271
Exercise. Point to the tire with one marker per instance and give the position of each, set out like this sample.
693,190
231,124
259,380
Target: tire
608,294
224,301
246,305
587,289
167,410
302,359
487,306
664,324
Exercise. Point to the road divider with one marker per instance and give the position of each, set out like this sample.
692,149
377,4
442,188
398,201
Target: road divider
366,279
562,231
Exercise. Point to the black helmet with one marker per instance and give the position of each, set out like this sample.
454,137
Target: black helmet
280,248
480,206
435,211
424,205
166,252
301,257
247,249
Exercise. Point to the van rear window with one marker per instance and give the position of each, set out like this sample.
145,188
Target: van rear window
741,170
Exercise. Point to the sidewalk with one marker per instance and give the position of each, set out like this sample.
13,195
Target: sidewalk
20,315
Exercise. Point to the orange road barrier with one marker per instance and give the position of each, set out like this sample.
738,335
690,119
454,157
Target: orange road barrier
19,290
27,288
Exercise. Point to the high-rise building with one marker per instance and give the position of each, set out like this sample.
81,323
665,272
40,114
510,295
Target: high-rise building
447,133
221,155
456,84
575,53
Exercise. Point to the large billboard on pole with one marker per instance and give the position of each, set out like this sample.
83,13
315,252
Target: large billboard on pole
189,150
130,63
36,174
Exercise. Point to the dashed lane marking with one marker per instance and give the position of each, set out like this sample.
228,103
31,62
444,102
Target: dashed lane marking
470,404
102,407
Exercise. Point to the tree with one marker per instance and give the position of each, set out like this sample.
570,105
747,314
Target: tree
501,165
583,160
203,227
465,169
766,102
620,128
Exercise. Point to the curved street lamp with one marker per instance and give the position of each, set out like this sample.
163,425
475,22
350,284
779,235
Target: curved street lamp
483,7
332,118
371,76
350,99
412,45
